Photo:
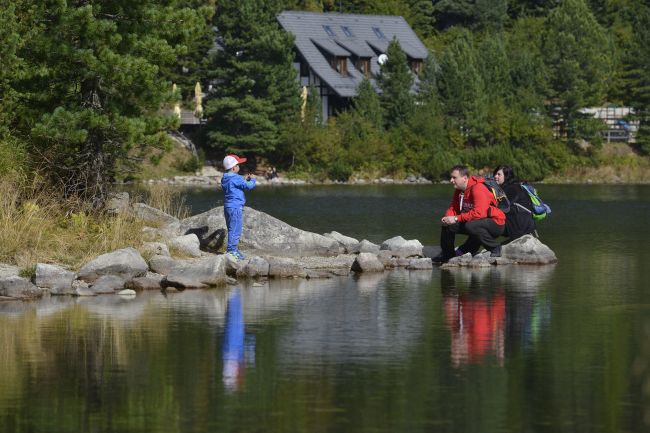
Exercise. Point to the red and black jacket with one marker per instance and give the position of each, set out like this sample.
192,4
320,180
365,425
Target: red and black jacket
477,203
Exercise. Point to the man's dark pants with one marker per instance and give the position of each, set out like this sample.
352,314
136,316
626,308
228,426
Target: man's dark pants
481,232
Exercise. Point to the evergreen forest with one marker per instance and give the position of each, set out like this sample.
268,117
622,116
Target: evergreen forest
86,87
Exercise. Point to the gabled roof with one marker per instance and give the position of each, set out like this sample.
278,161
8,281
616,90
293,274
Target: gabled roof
348,35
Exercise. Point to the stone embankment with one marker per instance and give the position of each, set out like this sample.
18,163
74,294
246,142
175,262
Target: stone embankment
273,249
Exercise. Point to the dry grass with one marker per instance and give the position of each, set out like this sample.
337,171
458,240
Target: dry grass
37,226
614,169
168,199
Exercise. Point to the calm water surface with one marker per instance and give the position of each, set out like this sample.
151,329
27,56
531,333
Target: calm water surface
562,348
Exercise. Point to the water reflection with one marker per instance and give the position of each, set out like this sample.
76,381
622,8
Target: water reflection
491,313
233,343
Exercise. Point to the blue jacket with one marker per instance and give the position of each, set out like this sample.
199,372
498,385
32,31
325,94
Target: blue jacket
234,186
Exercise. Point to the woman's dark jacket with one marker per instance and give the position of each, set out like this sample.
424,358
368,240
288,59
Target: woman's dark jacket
519,222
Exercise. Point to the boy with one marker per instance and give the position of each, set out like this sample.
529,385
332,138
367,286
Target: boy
233,186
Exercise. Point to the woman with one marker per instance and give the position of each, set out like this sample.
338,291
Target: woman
519,221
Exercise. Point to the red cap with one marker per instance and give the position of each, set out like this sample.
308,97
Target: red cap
232,160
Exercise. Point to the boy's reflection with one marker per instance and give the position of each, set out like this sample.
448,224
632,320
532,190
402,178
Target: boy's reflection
233,343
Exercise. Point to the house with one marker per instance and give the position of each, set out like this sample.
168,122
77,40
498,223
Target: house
619,127
335,51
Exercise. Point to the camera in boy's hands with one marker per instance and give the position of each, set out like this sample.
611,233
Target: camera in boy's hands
250,176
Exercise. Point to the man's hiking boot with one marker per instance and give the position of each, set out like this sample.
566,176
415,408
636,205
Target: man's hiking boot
496,251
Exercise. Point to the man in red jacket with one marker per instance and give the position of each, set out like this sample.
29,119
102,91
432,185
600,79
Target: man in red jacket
474,212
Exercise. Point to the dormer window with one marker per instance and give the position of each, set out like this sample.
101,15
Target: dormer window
363,65
378,33
416,66
347,31
340,65
329,31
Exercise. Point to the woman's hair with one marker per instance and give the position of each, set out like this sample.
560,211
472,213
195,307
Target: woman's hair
508,174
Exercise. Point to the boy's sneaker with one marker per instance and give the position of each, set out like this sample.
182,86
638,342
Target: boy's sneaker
239,255
235,254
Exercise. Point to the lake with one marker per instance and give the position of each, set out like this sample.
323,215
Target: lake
562,348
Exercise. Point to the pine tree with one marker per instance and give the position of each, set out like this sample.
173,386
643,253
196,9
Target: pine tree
367,104
462,90
575,49
255,83
395,80
494,66
637,76
91,90
428,88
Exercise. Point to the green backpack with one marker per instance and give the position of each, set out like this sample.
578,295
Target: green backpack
540,209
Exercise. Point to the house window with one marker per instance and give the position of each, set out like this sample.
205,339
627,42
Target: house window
363,64
329,31
416,66
347,31
340,65
378,33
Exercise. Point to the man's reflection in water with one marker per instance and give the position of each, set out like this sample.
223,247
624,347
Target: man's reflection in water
483,319
234,347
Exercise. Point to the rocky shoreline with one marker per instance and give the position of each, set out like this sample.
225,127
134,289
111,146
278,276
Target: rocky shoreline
210,176
273,248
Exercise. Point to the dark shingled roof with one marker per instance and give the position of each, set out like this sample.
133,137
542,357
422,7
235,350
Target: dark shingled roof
316,33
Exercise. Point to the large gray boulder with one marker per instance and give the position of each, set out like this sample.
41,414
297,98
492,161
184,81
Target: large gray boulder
55,278
162,225
8,270
192,273
284,267
346,243
149,282
367,262
151,249
400,247
528,250
107,284
126,263
261,233
255,267
187,245
15,287
420,264
365,246
117,203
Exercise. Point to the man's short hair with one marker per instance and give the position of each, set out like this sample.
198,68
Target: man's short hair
462,170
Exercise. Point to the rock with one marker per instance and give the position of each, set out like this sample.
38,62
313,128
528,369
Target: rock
402,262
117,203
339,265
187,245
9,270
367,262
431,251
231,281
261,233
154,249
55,278
126,263
400,247
85,291
282,267
314,275
154,216
255,267
386,258
420,264
126,292
107,284
145,283
528,250
365,246
191,274
346,242
19,288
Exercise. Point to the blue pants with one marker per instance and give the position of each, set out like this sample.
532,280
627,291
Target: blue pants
234,223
